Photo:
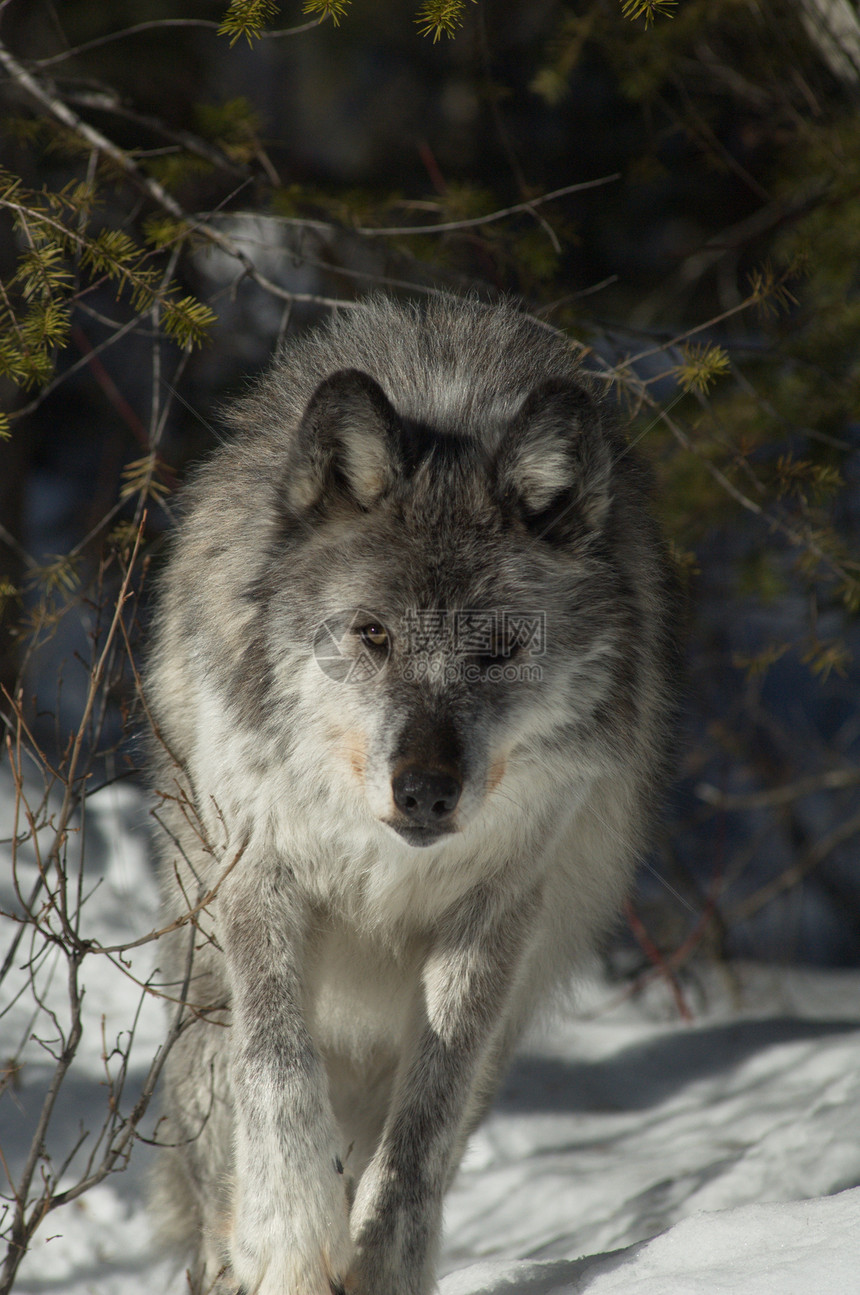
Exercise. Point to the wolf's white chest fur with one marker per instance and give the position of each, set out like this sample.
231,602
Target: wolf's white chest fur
359,996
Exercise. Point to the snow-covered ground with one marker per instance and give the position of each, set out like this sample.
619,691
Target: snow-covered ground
628,1152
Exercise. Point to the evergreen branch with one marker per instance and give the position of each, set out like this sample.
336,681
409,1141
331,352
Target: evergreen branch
141,478
441,16
769,290
701,366
114,254
812,545
61,573
333,9
55,106
122,330
247,18
682,339
104,101
648,9
801,538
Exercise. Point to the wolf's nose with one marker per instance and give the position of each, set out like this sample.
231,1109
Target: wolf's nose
427,796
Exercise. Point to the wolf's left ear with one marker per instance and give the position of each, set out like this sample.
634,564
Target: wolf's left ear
346,443
555,462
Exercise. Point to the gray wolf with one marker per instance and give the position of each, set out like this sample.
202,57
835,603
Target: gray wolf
411,686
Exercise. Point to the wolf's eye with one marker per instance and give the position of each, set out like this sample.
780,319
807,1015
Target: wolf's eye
373,635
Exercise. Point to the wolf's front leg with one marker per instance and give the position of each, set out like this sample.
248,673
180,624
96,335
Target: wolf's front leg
396,1218
289,1233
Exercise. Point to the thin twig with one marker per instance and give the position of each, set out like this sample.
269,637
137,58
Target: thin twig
189,915
449,226
158,23
792,876
830,780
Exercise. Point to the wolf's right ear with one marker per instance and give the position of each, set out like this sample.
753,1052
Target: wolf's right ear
346,445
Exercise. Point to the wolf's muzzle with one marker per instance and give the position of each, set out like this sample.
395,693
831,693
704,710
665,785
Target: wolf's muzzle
426,798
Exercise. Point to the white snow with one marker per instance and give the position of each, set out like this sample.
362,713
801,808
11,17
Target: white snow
628,1152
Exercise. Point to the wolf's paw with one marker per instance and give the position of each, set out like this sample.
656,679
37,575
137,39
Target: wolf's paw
298,1246
288,1273
395,1234
375,1273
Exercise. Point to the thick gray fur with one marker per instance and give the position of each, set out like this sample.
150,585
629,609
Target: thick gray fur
374,949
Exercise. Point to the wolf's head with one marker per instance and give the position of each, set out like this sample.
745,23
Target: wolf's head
452,604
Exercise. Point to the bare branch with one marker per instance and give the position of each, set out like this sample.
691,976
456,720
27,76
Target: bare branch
160,23
474,222
830,780
794,875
